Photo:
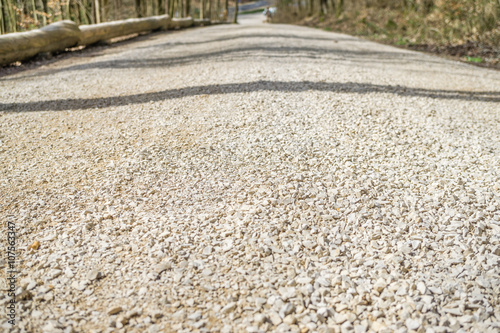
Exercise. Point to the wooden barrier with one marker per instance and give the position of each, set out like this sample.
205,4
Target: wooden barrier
201,22
52,38
180,23
59,36
91,34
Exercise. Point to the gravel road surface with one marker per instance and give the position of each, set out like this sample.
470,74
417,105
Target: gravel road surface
251,178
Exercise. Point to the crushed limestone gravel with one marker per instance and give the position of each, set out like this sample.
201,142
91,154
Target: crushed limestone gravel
253,178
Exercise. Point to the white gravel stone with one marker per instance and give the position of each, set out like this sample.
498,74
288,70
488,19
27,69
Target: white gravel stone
412,324
94,275
195,316
260,319
256,177
421,288
115,310
229,307
275,318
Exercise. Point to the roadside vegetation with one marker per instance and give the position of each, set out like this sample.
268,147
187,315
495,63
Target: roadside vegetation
465,29
22,15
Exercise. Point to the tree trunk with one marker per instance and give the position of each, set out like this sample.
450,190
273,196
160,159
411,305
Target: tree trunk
235,11
83,13
324,7
202,9
97,11
226,8
104,10
9,16
138,10
64,9
46,11
74,12
68,10
2,20
188,8
161,7
332,6
171,5
35,16
154,7
90,11
340,8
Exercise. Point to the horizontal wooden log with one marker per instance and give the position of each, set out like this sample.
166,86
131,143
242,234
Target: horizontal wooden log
55,37
61,35
91,34
180,23
201,22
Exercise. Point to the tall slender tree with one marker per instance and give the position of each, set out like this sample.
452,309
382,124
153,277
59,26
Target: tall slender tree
340,8
235,20
161,7
104,10
2,20
97,11
35,16
9,16
171,4
45,9
154,7
138,10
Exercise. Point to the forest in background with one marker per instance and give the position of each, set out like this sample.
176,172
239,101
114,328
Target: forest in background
468,29
22,15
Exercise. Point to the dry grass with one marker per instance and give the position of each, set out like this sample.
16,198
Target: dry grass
454,28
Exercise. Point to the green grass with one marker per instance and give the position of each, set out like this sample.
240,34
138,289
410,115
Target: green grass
253,11
474,59
402,41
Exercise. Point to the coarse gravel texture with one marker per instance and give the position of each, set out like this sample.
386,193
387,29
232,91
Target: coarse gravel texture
252,178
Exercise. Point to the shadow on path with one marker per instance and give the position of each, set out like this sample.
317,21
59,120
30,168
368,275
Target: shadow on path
262,37
238,53
230,88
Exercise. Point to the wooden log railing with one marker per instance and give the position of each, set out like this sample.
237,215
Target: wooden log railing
181,23
52,38
58,37
91,34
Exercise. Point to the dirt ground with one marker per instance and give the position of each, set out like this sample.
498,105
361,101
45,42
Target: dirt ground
470,52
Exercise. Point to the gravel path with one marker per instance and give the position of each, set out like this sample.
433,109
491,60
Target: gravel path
252,178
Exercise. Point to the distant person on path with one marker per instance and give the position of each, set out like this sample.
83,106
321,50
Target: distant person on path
268,14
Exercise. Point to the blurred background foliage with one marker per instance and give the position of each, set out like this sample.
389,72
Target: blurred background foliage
22,15
473,24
